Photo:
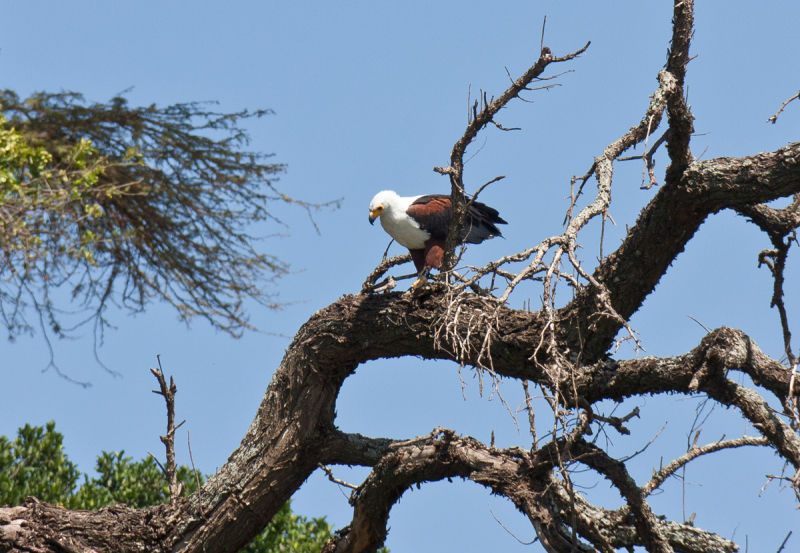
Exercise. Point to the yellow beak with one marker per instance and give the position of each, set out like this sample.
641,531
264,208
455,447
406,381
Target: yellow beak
373,216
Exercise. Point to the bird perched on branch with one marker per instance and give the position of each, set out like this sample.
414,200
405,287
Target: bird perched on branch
420,224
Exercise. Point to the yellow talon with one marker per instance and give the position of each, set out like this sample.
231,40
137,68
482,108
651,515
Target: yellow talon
422,280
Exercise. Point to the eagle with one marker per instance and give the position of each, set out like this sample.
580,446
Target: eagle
420,224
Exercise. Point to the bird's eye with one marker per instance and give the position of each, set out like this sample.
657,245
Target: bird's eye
379,208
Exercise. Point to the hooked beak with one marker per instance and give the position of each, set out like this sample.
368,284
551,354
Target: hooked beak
372,218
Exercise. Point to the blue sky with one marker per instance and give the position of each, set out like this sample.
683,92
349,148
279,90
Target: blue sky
370,96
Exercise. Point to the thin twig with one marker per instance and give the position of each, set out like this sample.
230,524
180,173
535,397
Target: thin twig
774,118
335,480
531,415
698,322
159,464
617,422
787,535
534,540
191,458
695,452
382,268
432,436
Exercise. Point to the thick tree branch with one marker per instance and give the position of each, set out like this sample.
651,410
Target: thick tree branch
524,477
650,375
41,527
293,430
758,411
647,524
679,115
664,228
341,448
775,222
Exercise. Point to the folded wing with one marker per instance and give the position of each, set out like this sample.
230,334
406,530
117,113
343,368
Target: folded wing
433,213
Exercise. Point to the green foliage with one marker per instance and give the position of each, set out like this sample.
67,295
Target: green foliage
124,205
34,190
34,464
290,532
19,162
137,484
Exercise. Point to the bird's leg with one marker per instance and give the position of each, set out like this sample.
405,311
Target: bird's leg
422,278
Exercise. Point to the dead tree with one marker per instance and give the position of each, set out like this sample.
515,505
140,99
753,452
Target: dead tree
562,349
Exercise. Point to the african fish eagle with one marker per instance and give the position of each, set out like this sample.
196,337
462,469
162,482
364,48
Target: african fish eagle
420,224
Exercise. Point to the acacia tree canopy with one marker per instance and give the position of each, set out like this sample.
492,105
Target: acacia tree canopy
564,350
123,205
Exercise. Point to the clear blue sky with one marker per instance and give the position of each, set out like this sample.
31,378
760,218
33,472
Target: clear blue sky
370,96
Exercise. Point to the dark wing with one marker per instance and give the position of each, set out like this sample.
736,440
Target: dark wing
434,213
481,224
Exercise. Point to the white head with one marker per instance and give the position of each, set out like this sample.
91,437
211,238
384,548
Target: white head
383,201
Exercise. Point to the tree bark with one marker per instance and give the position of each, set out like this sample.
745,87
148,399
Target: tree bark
294,428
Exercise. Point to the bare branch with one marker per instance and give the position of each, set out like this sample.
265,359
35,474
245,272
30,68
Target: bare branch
695,452
531,415
680,116
783,543
618,422
168,392
526,480
335,480
781,227
191,458
774,118
669,221
381,270
647,524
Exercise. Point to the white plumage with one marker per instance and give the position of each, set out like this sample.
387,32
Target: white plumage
396,222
